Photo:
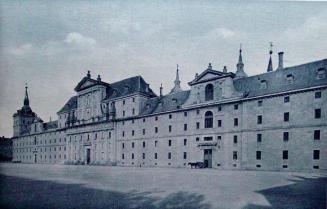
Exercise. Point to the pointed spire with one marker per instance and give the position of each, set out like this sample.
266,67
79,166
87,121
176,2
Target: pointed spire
270,66
177,82
240,66
161,93
26,100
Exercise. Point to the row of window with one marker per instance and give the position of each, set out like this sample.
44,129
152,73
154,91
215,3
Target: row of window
155,143
315,156
316,136
155,156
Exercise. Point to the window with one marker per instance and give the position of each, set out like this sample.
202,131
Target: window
143,155
155,155
259,137
258,155
169,128
123,133
209,92
123,145
170,116
122,156
208,121
133,99
317,113
197,125
132,144
133,111
185,114
197,112
156,129
289,78
234,155
236,107
286,99
219,123
169,143
169,155
316,135
197,139
286,116
285,154
185,142
316,154
207,138
185,127
318,95
143,120
133,121
235,121
219,108
185,155
143,144
285,136
219,138
156,143
143,131
235,139
259,103
133,132
123,102
133,156
156,118
321,73
259,119
124,113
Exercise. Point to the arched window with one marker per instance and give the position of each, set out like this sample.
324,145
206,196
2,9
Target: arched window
209,92
208,120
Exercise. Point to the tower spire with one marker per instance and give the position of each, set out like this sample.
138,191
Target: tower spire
270,66
240,66
26,100
177,82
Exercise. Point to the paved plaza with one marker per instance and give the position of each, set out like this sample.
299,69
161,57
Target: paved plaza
64,186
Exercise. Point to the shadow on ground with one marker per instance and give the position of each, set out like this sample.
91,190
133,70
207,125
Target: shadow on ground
25,193
305,193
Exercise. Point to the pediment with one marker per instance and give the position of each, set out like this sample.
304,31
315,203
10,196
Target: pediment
84,83
208,75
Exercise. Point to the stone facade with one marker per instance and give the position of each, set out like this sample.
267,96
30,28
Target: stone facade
272,121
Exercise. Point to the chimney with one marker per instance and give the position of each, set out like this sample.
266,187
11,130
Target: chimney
99,78
280,61
225,69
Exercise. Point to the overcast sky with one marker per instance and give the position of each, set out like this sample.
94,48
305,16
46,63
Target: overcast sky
52,45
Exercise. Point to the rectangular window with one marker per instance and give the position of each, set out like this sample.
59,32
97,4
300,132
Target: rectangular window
286,99
143,144
155,155
169,128
123,134
156,143
259,119
316,154
156,129
123,102
316,135
235,121
259,103
185,127
124,113
169,155
132,144
235,139
185,114
197,139
219,108
197,125
143,131
258,155
169,143
185,142
219,123
285,154
185,155
132,155
234,155
236,107
286,116
318,95
156,118
317,113
133,99
170,116
133,132
123,145
122,156
143,120
207,138
197,112
285,136
259,137
143,155
133,111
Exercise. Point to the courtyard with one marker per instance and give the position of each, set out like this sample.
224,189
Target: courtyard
65,186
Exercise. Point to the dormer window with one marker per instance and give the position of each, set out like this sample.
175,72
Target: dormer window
289,79
174,100
321,73
263,84
209,92
147,106
126,88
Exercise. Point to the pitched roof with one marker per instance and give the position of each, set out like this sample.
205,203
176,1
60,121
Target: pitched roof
71,104
50,125
169,102
129,86
303,76
91,82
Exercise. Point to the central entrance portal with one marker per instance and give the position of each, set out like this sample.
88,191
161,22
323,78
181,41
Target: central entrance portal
88,156
207,158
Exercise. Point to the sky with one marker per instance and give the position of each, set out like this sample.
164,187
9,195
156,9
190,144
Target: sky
51,45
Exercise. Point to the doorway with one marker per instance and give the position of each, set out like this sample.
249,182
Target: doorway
207,158
88,156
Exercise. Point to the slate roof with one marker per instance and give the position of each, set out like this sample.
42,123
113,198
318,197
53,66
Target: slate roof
168,102
304,75
71,104
128,86
50,125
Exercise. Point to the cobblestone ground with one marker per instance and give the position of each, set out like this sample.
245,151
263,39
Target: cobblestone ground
63,186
